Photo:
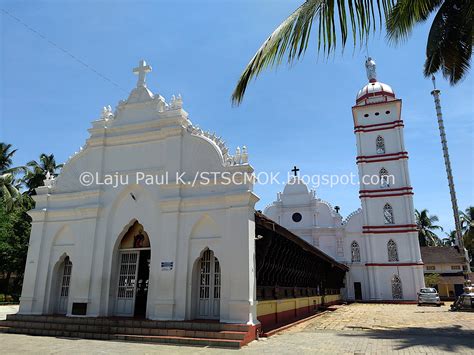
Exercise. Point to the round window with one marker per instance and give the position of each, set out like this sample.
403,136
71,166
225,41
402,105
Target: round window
296,217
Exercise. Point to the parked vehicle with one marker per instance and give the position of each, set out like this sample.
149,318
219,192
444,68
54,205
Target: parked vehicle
465,302
428,296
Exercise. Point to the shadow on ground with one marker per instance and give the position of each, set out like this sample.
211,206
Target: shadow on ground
449,339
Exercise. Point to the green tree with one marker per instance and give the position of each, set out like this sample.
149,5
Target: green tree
448,48
15,227
425,225
37,171
450,239
467,222
9,186
9,191
6,158
432,280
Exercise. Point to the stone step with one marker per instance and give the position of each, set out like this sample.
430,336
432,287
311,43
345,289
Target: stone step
4,329
198,333
211,339
120,322
101,329
59,333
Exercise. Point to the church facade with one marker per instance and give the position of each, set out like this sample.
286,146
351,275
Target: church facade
94,242
379,241
135,226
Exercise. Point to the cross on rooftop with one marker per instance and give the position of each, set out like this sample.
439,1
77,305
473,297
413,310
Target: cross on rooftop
141,71
295,170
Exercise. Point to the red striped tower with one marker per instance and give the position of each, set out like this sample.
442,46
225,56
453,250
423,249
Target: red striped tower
393,258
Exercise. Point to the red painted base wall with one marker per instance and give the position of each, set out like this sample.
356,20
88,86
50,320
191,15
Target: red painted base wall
276,320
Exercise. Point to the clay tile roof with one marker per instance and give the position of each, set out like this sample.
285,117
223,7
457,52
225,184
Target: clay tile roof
443,255
267,223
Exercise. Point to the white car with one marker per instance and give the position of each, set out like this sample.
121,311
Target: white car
428,296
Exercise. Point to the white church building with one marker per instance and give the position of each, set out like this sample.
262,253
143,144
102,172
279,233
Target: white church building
131,228
93,243
379,241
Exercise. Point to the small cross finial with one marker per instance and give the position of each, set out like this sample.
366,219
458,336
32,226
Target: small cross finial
141,71
337,208
295,170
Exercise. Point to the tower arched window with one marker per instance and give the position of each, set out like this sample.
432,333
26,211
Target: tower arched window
388,214
392,251
355,252
380,145
383,176
397,290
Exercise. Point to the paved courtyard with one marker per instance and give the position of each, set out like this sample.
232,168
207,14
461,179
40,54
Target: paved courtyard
353,329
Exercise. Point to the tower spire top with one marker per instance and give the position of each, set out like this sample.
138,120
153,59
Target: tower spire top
370,68
433,80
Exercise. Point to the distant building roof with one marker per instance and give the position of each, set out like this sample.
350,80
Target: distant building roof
441,255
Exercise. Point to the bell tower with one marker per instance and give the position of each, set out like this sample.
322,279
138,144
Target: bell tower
393,259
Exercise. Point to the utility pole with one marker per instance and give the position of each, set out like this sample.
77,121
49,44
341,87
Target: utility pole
449,172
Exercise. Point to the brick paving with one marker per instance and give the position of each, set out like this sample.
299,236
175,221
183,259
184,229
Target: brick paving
353,329
394,316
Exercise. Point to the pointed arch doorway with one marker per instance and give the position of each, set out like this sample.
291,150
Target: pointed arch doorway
207,286
134,273
61,287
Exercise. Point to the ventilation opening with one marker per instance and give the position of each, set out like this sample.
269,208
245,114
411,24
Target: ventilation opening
79,309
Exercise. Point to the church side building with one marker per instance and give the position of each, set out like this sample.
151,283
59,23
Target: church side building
379,241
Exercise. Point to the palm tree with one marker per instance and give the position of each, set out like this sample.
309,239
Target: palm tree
449,46
467,220
9,186
450,239
6,157
425,225
37,171
449,43
9,191
467,223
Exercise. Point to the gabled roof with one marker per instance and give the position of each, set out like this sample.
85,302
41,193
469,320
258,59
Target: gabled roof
441,255
265,222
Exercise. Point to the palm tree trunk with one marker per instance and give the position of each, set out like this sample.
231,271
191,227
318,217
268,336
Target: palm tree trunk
449,173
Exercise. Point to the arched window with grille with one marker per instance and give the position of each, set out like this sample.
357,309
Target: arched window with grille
383,176
397,290
355,252
380,145
388,214
392,251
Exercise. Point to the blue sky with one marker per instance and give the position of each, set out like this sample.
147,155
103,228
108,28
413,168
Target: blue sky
292,116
